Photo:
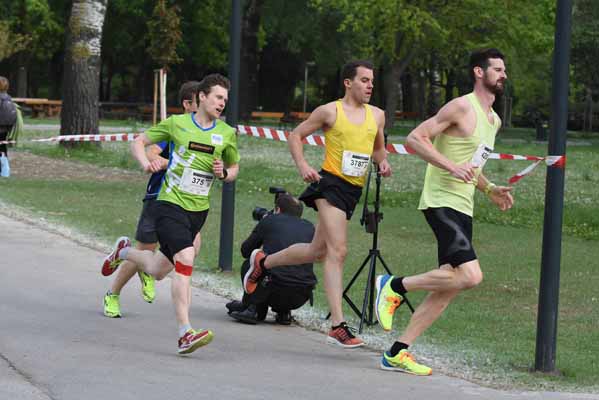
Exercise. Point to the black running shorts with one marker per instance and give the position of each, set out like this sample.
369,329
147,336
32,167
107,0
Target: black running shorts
453,231
177,227
338,192
146,226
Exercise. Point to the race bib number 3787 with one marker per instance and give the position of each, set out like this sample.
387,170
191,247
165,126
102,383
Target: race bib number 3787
355,164
196,182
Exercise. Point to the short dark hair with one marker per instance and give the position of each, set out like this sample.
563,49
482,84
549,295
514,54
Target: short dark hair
289,205
3,84
350,69
212,80
188,91
480,58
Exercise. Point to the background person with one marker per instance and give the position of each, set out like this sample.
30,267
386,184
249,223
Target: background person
286,288
8,119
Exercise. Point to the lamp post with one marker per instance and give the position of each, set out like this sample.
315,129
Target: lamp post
308,64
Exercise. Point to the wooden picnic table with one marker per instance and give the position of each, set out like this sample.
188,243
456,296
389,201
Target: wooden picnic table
41,107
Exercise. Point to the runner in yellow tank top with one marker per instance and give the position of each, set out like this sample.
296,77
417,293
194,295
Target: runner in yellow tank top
464,134
354,134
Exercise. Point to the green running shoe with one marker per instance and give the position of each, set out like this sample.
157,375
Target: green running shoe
404,362
148,288
387,301
112,307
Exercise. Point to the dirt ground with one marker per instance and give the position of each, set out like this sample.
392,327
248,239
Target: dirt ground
27,165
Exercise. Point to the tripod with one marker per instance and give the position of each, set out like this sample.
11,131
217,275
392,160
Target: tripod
370,220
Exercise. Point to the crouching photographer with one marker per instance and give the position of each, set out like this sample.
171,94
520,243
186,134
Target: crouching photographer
286,288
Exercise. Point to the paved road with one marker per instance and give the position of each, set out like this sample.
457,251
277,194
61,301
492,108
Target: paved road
56,344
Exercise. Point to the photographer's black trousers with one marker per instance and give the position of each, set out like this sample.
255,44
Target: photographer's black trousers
278,298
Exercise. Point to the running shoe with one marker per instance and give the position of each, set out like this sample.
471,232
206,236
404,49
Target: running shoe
387,301
404,362
193,340
148,286
112,306
112,261
343,336
254,272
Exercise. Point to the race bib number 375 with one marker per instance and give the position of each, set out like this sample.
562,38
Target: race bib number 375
355,164
196,182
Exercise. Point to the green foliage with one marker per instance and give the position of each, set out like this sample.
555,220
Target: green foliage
11,42
585,39
36,19
165,34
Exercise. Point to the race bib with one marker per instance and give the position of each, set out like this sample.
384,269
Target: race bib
217,140
196,182
481,155
354,164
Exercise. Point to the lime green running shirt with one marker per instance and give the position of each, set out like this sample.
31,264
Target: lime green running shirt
441,189
189,178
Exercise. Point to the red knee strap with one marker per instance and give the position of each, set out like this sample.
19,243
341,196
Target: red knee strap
183,269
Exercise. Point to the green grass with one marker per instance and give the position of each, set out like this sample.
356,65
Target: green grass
489,331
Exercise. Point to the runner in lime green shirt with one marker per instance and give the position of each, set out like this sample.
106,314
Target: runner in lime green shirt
455,142
203,150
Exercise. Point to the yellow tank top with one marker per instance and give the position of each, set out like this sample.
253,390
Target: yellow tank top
441,189
349,146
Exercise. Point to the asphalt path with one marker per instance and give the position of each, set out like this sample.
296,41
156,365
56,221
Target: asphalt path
56,344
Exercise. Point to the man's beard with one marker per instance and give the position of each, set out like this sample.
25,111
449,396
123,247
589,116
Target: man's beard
497,89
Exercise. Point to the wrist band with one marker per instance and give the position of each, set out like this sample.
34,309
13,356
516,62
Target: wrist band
225,174
490,186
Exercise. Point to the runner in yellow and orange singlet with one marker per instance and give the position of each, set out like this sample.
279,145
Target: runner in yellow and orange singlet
354,134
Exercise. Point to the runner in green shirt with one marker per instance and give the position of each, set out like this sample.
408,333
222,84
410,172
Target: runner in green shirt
203,149
456,143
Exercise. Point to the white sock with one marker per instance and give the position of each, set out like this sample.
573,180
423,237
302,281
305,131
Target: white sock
183,329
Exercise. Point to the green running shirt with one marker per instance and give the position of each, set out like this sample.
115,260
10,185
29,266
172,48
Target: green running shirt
189,178
441,189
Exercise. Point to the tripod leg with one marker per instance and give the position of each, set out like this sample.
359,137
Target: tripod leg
368,292
349,285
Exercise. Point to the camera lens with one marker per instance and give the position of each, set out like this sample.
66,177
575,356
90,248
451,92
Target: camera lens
259,213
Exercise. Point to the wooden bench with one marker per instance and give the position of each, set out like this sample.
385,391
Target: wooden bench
295,117
147,112
257,115
41,107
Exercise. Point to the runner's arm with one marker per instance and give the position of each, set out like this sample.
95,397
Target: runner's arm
153,153
138,149
500,195
318,119
421,139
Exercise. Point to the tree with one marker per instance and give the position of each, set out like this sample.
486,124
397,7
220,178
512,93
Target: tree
164,30
80,105
392,32
11,42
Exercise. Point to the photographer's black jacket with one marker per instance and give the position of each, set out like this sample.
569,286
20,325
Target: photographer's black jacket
277,232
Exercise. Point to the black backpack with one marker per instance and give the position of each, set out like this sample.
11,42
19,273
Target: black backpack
8,110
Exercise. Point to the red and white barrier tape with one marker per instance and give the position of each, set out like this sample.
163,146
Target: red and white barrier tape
314,140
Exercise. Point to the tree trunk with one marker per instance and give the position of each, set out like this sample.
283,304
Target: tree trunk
433,103
81,79
248,74
392,80
588,111
421,83
22,82
450,85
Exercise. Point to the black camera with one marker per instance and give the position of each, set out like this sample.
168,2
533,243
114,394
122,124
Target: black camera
261,212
